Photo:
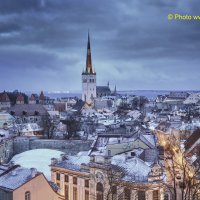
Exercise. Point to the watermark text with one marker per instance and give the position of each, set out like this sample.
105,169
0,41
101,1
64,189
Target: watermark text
183,17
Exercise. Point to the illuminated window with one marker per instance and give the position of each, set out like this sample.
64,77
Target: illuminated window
155,195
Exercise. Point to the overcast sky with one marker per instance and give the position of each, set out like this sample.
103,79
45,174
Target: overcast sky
134,45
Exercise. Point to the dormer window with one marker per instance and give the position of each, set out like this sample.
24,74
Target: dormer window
12,112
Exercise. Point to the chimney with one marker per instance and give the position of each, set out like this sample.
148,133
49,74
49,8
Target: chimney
126,156
33,172
13,173
54,161
63,157
11,164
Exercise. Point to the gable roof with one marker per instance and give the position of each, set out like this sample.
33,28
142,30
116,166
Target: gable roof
32,98
30,109
42,97
103,89
4,97
16,177
192,139
20,97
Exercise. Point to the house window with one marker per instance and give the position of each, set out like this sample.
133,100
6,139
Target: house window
75,180
109,152
114,189
141,195
166,197
27,195
75,193
66,192
57,176
127,194
87,183
99,189
66,178
155,195
87,195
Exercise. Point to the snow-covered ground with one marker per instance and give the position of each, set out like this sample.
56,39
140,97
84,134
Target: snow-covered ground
37,158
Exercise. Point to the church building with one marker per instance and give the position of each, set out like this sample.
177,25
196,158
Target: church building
88,78
89,89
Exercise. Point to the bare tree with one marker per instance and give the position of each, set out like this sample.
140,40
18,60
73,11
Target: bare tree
115,188
182,175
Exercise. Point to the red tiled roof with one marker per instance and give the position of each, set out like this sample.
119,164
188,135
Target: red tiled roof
4,97
20,97
32,98
42,97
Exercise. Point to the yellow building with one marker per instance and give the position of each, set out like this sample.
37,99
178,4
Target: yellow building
116,167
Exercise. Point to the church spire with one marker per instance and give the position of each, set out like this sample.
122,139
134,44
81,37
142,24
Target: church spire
115,91
89,68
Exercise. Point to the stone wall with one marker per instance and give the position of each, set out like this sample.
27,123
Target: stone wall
21,144
71,147
6,150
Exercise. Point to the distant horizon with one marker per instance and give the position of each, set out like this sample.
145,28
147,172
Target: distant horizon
79,91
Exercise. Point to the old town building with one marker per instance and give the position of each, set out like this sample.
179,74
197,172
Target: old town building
116,167
17,183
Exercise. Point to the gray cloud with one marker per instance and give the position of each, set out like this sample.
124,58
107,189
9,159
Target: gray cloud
133,43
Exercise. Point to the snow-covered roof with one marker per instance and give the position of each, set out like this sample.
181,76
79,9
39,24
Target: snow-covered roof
108,122
99,146
37,158
6,118
192,99
15,178
88,112
74,162
4,134
134,168
150,138
29,127
135,114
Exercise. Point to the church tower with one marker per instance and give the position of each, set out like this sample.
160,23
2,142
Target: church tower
88,78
